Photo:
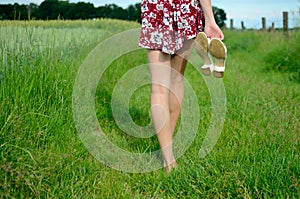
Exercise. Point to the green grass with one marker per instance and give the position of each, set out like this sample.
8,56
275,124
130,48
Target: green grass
257,155
285,58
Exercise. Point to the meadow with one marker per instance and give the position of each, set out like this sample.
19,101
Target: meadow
256,156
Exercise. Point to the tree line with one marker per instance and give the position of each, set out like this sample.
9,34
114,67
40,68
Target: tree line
57,9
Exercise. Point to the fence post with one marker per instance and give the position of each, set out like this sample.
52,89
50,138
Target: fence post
273,27
243,26
231,24
263,24
285,23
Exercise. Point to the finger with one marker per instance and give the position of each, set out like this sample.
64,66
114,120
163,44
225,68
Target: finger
222,36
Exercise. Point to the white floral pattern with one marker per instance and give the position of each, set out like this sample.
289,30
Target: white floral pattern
166,24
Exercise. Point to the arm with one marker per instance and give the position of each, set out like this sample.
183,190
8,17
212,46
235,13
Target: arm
211,28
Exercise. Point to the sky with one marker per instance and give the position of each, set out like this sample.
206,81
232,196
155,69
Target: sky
250,12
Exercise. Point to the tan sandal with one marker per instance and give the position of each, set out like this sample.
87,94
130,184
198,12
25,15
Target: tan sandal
202,49
218,51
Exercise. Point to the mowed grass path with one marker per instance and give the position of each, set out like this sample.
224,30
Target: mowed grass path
257,154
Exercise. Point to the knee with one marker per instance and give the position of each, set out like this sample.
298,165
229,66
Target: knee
176,79
158,89
186,50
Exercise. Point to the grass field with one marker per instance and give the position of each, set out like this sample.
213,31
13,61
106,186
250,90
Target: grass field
256,156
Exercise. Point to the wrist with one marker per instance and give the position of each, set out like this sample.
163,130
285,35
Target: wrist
209,21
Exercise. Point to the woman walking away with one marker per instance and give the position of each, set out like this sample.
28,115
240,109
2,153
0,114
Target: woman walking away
169,28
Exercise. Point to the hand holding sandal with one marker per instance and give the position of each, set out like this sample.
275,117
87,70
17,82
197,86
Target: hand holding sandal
217,49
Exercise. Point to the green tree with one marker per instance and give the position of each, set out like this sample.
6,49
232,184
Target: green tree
114,11
65,10
81,10
134,12
20,12
6,12
48,9
32,10
220,16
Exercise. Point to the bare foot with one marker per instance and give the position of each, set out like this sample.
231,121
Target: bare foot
170,167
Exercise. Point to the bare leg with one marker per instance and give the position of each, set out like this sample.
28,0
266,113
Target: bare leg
167,95
178,64
177,89
160,70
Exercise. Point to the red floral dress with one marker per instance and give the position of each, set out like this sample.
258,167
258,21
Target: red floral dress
166,24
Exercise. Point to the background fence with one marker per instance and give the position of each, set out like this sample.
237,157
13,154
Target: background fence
286,23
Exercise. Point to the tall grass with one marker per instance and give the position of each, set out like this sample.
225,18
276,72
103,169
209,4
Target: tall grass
285,57
257,155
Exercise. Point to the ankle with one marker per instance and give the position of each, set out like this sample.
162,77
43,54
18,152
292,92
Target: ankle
170,167
168,163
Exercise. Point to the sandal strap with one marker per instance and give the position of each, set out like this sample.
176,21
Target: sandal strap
219,69
206,66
